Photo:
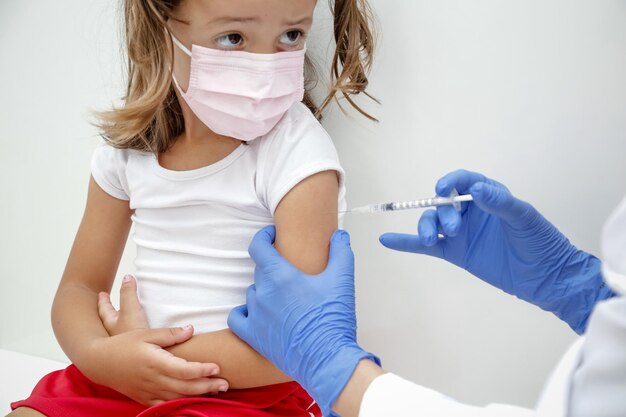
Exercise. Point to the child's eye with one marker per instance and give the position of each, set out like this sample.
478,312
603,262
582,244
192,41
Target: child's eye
229,41
291,38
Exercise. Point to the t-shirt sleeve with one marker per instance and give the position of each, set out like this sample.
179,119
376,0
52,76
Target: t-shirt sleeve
108,167
299,149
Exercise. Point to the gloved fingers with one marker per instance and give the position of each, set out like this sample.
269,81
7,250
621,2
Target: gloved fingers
341,257
411,243
460,179
449,219
259,276
238,321
267,258
428,228
251,291
251,298
498,200
261,247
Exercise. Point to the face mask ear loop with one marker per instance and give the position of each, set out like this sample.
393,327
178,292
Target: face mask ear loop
183,48
180,45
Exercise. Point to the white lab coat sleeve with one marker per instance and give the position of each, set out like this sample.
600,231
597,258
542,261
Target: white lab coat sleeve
555,397
599,382
390,396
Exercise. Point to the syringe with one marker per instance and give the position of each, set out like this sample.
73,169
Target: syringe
454,199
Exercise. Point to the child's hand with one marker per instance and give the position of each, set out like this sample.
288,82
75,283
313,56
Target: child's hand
136,364
133,360
130,316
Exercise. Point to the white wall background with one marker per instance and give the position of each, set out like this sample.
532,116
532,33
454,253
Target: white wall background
530,92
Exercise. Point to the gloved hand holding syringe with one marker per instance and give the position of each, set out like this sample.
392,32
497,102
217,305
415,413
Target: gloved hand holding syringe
453,199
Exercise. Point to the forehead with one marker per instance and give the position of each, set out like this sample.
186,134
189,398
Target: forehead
216,12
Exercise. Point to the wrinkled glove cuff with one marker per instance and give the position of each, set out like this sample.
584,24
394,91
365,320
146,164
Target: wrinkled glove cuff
581,276
331,377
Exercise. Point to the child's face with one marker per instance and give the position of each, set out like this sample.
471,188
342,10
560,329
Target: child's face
260,26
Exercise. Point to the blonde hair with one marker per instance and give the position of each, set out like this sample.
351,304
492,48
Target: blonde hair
151,118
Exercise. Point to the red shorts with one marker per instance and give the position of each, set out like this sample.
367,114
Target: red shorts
68,393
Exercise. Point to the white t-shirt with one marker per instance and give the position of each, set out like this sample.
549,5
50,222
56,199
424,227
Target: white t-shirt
192,228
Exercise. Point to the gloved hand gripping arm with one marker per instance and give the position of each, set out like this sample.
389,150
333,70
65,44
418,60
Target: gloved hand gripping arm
305,324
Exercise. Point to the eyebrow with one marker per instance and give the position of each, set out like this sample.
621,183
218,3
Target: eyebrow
299,22
227,19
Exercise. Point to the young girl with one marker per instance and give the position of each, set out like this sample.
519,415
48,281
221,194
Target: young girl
216,139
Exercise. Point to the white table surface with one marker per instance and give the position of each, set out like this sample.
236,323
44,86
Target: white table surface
18,375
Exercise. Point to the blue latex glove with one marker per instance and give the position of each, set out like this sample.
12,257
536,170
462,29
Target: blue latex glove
305,325
509,244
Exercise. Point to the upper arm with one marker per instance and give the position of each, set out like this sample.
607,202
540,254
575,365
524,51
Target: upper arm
99,242
305,220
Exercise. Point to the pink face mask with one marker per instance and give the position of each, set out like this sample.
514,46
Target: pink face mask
242,94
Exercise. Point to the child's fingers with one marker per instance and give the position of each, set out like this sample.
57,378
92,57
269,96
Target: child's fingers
108,314
129,302
196,387
154,403
130,307
173,366
167,337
